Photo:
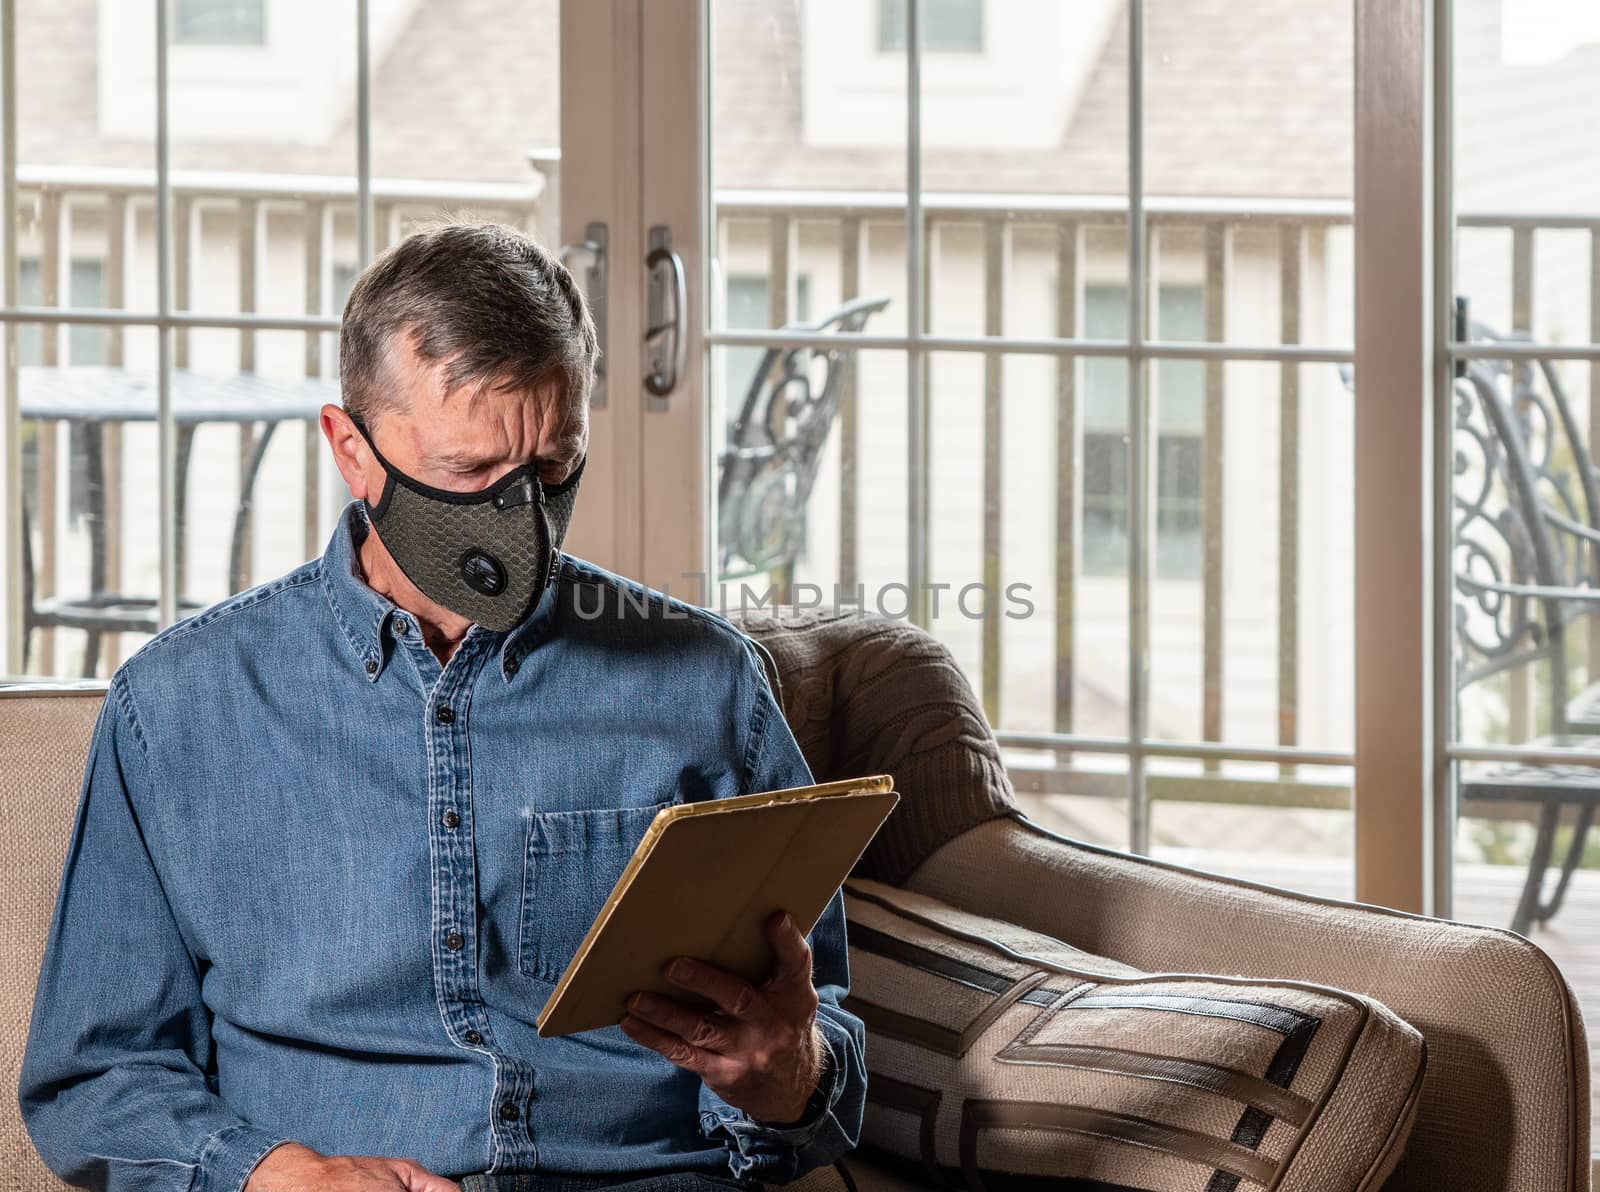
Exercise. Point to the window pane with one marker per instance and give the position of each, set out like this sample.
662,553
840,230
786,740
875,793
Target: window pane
258,449
1249,128
807,154
90,494
1527,101
1526,669
1526,666
264,209
1080,795
1252,606
85,236
466,116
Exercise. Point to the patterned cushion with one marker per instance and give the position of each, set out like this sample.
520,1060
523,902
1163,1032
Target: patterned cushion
995,1053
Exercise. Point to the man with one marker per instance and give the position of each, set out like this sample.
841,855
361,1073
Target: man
339,834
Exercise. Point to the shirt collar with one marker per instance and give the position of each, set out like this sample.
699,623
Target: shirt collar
363,613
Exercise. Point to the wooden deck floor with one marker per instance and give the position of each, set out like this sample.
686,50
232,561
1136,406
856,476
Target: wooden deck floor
1484,894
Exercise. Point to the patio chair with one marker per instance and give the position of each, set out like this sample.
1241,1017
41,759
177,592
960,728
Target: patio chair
1526,523
774,445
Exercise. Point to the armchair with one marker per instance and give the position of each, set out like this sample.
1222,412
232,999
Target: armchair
1504,1104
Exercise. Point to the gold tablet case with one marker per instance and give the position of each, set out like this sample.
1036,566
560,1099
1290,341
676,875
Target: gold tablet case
702,883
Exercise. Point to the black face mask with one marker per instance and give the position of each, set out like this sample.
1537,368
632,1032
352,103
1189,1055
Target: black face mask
487,555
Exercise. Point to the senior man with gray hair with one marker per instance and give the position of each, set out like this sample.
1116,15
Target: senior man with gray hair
339,834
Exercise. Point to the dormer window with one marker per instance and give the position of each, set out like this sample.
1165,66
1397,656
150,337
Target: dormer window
947,26
220,23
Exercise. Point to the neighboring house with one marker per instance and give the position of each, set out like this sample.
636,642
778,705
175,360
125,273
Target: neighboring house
1247,107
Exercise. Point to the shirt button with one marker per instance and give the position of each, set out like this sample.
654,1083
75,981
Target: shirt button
508,1110
451,819
454,941
402,626
511,666
474,1038
372,666
445,714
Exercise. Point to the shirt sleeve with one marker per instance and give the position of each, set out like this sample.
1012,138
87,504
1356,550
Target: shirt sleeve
832,1126
113,1088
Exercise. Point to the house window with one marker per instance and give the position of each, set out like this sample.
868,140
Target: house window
947,26
85,288
1180,385
220,23
344,280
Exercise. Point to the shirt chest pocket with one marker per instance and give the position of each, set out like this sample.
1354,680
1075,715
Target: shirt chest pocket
571,861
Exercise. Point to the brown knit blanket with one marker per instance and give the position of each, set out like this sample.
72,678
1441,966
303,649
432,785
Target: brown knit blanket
868,694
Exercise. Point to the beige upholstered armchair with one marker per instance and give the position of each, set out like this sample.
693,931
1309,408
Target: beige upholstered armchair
1503,1103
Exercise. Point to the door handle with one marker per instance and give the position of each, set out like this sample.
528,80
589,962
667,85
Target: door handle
593,247
666,333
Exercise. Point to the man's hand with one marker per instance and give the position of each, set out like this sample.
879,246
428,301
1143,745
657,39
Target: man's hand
295,1168
759,1050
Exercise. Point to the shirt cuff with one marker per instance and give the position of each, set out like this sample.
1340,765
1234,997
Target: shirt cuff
230,1155
759,1151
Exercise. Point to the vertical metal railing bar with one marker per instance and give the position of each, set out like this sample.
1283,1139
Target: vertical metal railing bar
315,217
119,235
1212,488
1592,633
1440,815
780,240
187,222
384,224
166,438
8,283
850,233
1138,448
187,219
251,231
780,286
918,494
47,440
1522,714
1068,469
364,214
994,282
1291,246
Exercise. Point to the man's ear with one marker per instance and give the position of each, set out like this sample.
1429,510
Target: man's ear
350,453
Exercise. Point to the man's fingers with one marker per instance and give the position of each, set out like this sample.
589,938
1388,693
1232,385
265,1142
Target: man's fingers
417,1178
665,1043
694,1027
733,995
793,953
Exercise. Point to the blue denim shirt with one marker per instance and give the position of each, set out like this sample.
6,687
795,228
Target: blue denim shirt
319,886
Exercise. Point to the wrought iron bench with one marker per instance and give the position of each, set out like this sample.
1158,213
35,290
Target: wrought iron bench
774,445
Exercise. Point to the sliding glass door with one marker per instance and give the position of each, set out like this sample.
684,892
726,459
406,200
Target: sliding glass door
1127,509
1525,495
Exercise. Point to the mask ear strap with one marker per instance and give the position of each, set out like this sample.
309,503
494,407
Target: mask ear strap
377,511
555,490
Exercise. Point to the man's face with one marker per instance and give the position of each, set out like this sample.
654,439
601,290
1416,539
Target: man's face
466,442
463,442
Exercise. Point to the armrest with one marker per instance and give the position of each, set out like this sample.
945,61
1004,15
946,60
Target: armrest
1506,1100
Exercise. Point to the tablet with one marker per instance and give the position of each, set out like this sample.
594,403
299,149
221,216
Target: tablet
702,883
